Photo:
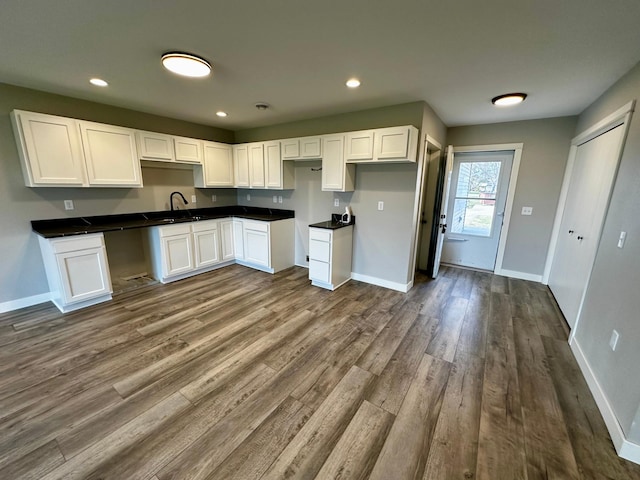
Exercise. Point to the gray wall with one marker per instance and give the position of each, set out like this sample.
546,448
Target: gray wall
21,270
544,157
382,239
612,300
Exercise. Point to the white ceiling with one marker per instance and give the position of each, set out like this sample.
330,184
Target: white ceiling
296,54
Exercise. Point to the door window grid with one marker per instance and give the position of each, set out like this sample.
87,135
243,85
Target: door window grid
474,202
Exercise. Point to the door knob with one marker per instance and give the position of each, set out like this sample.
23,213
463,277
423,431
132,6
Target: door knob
443,226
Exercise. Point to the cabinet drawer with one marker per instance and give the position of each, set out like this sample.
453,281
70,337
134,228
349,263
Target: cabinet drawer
319,271
320,234
204,225
256,226
169,230
319,250
80,242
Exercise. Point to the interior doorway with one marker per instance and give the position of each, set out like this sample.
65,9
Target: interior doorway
431,169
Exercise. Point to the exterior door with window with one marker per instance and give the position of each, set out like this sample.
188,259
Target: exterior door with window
479,186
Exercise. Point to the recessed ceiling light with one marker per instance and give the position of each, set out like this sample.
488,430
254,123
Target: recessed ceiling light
353,83
98,82
186,64
221,113
508,99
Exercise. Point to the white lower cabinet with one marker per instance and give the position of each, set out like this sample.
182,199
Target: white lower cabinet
330,254
77,270
227,240
267,246
186,249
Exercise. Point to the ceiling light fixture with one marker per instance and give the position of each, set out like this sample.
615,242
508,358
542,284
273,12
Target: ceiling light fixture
508,99
98,82
262,106
186,64
353,83
221,113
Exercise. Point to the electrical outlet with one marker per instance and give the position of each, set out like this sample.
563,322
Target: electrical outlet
279,198
68,205
336,202
248,197
214,198
527,210
623,237
194,199
380,206
275,199
613,342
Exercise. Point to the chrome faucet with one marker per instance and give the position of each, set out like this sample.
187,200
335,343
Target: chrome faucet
171,199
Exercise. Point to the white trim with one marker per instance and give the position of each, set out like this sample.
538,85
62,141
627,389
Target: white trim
24,302
432,141
381,282
607,123
519,275
626,449
511,192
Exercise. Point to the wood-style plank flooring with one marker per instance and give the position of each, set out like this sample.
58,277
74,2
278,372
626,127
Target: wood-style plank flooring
237,374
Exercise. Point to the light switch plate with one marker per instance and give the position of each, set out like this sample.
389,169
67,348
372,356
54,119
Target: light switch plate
214,198
275,199
194,199
279,198
248,197
68,205
623,237
527,210
380,205
336,202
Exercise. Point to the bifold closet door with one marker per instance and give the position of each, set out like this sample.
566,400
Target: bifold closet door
592,178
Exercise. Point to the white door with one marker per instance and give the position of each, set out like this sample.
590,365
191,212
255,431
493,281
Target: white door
226,240
592,177
218,165
442,226
256,244
241,165
256,165
273,165
84,274
177,254
207,248
333,167
478,195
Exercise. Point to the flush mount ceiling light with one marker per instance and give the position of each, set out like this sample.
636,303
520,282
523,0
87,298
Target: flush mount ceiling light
508,99
262,106
353,83
186,64
98,82
221,113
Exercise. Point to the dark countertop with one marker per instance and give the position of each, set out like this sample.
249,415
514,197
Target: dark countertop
334,223
62,227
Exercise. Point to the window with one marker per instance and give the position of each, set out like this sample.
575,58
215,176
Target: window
475,198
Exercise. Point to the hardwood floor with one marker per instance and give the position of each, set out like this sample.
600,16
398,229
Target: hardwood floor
237,374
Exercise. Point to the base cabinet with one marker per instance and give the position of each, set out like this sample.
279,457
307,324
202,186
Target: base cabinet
267,246
77,270
330,255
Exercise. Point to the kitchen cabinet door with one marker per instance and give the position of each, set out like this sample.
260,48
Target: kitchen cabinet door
256,165
50,150
84,274
273,165
392,143
177,254
155,146
238,239
311,147
290,148
241,165
336,174
207,247
111,155
226,240
218,165
188,150
359,146
257,243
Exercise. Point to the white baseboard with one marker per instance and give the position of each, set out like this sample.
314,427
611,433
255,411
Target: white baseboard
626,449
24,302
519,275
381,282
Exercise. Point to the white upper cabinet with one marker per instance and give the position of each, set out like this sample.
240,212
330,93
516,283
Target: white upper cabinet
241,165
111,156
279,174
337,176
383,145
155,146
217,168
188,150
359,145
305,148
50,150
256,165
